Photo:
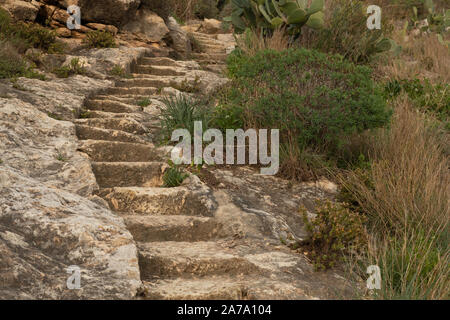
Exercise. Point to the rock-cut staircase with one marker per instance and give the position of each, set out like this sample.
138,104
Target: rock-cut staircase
178,239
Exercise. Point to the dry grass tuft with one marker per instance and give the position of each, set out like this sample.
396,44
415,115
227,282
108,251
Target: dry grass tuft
405,196
422,57
253,41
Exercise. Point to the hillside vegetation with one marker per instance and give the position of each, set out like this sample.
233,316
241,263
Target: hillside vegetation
331,91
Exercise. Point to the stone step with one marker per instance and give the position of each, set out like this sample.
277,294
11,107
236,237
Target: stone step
155,201
216,68
212,47
151,113
93,133
209,56
172,228
128,99
123,124
158,61
113,151
210,288
143,81
128,174
205,36
180,259
223,287
124,90
160,70
108,105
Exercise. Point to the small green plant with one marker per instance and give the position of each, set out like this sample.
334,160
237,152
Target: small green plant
335,231
75,67
144,102
173,177
60,157
85,114
119,71
54,116
100,39
181,112
187,86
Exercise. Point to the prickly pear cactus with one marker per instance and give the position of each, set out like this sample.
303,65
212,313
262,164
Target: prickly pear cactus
270,14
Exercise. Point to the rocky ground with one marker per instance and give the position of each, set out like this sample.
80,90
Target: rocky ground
81,184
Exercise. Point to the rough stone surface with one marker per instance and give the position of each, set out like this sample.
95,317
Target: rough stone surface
22,10
211,26
179,39
115,12
49,218
148,24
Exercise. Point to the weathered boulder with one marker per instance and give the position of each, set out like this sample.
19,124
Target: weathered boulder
47,221
211,26
22,10
147,23
179,39
115,12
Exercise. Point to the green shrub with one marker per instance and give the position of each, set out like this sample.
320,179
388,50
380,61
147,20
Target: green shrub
100,39
13,65
335,231
316,100
28,35
346,33
173,177
180,113
427,97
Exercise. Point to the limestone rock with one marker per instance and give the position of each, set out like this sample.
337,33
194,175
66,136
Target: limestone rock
114,12
149,24
22,10
211,26
179,38
46,222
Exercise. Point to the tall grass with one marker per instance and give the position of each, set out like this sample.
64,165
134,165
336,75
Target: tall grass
405,196
253,41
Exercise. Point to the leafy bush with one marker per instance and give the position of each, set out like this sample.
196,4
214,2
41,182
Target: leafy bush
335,231
427,97
180,113
24,35
316,100
346,33
173,177
100,39
13,65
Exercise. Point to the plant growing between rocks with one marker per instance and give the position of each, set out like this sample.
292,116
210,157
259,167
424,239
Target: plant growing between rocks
100,39
173,176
